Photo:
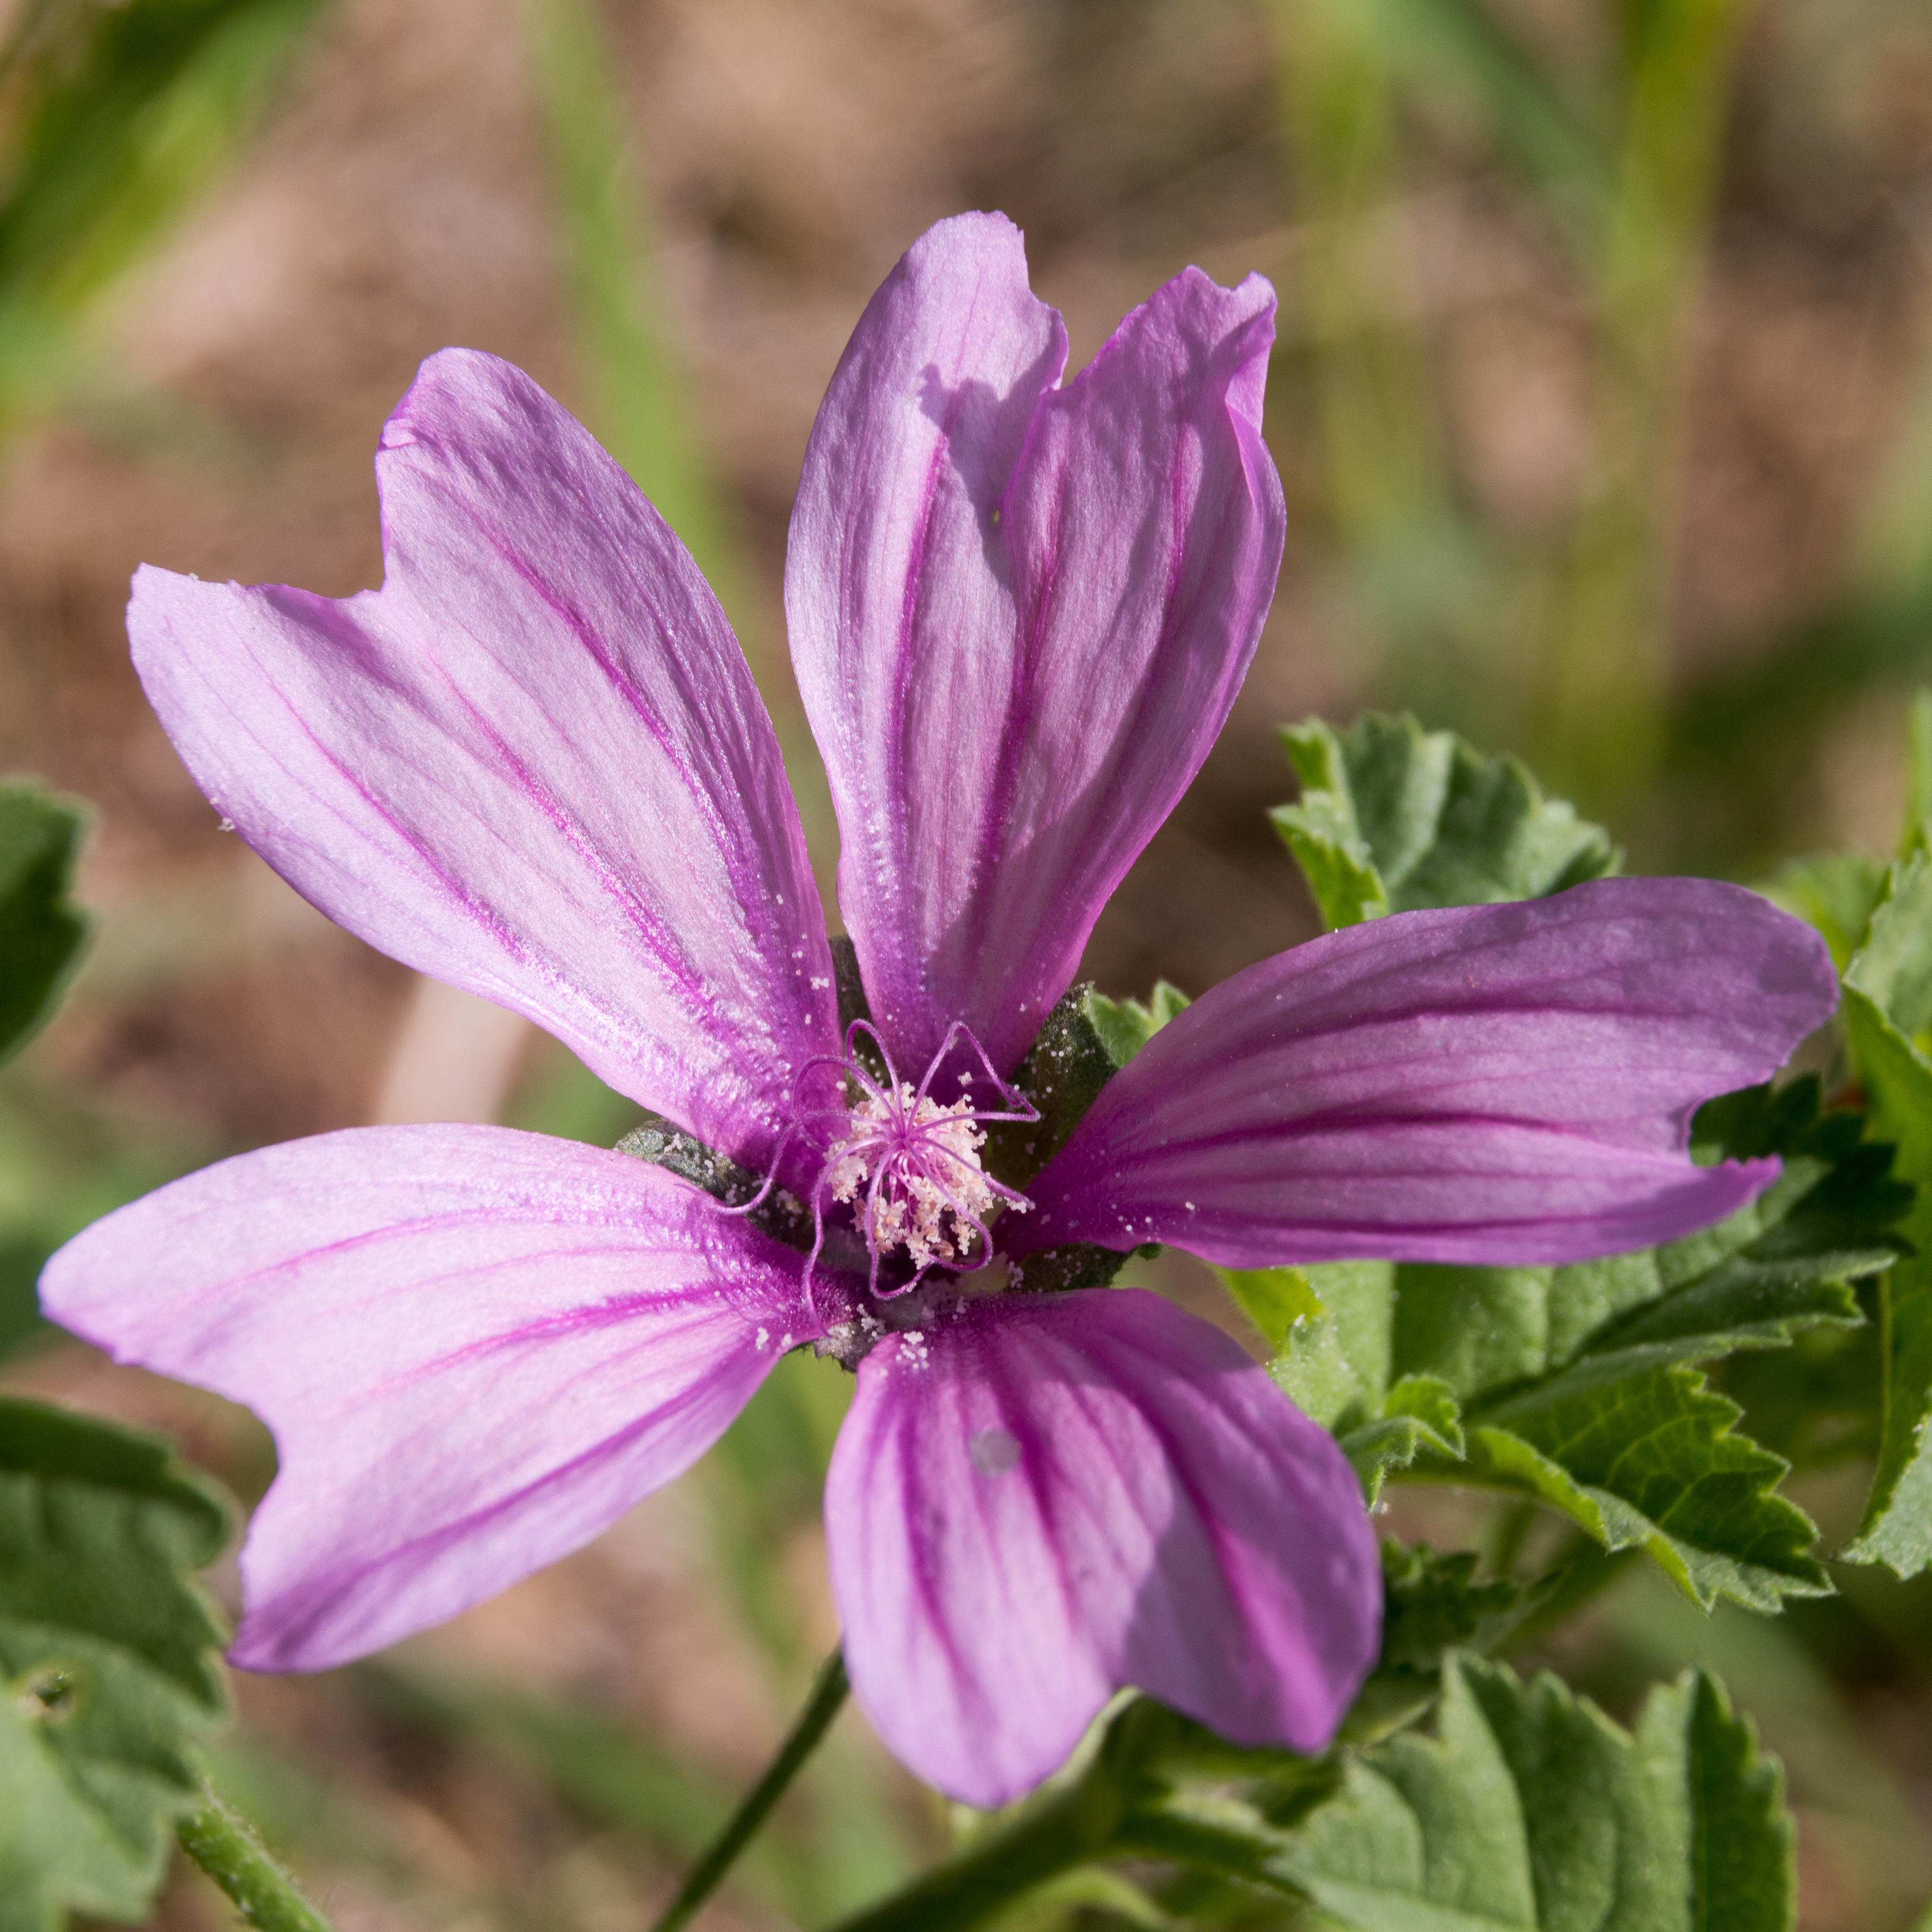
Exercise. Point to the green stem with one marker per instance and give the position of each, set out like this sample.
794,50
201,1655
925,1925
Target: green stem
828,1695
1070,1828
1590,1570
223,1843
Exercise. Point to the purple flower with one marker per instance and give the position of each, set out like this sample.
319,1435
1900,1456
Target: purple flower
534,764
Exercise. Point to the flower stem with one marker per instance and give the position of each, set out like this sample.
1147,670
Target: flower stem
223,1843
1068,1829
828,1695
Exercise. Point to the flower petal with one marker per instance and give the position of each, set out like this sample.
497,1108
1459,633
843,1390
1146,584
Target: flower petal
1020,614
534,764
1507,1085
475,1349
1044,1498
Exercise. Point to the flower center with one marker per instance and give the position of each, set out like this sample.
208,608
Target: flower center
910,1168
908,1163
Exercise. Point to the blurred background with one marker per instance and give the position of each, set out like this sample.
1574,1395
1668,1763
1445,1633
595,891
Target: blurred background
1603,399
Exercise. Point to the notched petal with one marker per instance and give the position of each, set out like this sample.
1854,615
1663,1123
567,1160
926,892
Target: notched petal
475,1349
1020,614
1500,1085
1037,1501
533,764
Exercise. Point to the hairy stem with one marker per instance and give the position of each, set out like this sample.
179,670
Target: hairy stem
223,1843
828,1695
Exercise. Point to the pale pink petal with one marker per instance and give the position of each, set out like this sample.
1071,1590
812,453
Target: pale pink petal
1507,1084
1044,1498
534,764
475,1349
1020,614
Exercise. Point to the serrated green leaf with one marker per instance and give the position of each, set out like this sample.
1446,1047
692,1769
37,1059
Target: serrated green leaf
1420,1417
1329,1327
1817,1404
1126,1026
1653,1462
107,1650
1472,1328
1392,818
41,931
1888,1008
1529,1811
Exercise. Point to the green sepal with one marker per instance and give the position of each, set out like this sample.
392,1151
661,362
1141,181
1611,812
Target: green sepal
1392,818
108,1649
853,1004
41,930
1062,1075
780,1214
1074,1264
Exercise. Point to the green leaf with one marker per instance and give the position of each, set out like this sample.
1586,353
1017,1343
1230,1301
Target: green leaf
1784,1264
1126,1026
1392,818
107,1647
1888,1008
1653,1462
1419,1413
1529,1809
40,931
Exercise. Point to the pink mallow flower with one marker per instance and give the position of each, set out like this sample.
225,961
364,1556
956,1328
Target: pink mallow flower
534,764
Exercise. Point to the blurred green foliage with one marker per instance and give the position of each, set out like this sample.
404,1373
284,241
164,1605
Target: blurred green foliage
111,119
1608,130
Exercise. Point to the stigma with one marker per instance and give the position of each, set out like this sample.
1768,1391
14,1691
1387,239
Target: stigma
910,1168
907,1164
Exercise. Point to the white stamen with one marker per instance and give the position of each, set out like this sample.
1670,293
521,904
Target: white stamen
917,1164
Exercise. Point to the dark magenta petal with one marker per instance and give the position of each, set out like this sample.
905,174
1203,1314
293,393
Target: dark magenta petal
1044,1498
475,1349
1494,1085
1020,613
533,764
